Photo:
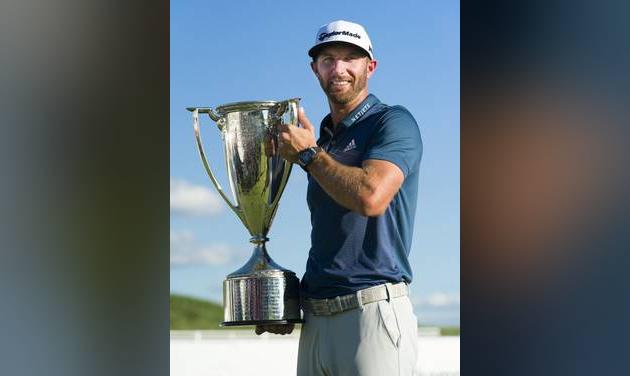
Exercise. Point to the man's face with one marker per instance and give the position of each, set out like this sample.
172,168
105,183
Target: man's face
343,71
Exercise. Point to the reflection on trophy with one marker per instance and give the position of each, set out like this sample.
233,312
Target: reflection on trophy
261,292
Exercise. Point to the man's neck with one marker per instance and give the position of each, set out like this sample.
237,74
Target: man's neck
339,111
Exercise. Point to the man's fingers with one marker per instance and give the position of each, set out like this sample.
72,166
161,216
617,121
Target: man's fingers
285,328
283,128
275,329
281,329
284,137
302,119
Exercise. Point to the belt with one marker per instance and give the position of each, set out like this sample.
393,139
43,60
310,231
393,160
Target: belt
331,306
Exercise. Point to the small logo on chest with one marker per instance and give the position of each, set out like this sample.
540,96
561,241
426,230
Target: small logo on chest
351,145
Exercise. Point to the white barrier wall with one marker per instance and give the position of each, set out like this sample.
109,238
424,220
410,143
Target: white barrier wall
240,352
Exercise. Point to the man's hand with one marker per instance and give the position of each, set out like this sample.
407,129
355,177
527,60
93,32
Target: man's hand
275,329
293,140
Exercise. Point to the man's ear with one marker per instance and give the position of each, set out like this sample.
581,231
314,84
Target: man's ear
314,68
371,67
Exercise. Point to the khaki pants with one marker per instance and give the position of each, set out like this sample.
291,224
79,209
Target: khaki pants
381,339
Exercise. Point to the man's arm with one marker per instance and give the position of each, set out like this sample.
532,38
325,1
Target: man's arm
367,190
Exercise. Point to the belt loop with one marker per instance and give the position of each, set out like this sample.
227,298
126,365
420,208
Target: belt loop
360,300
388,287
337,306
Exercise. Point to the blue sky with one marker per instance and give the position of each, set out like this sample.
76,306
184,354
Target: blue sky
256,50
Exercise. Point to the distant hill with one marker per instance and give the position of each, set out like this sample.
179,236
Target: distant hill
191,313
450,331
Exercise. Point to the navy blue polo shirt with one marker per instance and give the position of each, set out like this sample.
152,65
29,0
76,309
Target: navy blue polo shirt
349,251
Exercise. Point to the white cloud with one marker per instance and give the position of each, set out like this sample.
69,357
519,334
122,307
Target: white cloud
438,299
181,237
186,251
190,199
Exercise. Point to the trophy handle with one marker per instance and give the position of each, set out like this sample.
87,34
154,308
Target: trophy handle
280,109
196,111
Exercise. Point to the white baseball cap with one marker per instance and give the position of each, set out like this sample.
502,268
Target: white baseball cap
342,31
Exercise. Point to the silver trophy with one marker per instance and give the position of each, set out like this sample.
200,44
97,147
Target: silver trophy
261,292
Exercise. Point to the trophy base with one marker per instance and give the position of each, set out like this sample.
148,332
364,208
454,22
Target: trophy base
267,322
260,298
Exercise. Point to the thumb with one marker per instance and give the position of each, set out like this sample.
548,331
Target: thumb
302,119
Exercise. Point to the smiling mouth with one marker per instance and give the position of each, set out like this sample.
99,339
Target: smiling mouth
339,83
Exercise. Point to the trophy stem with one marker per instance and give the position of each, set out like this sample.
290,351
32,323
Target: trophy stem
260,262
258,239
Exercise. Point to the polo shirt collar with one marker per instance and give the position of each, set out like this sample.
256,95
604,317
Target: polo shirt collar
370,101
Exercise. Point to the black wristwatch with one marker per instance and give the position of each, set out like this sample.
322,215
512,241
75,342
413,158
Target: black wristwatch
306,156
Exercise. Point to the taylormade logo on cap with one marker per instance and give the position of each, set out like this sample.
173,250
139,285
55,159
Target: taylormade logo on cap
342,31
323,36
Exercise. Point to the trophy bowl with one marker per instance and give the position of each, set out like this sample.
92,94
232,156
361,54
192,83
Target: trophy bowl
260,292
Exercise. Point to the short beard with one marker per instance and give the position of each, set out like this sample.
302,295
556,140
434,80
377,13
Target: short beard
342,98
346,97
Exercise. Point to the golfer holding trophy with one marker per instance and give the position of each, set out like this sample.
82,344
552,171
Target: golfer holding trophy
362,192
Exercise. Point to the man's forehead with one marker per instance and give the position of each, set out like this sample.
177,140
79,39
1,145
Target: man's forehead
340,48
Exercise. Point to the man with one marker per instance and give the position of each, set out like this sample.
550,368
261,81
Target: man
362,188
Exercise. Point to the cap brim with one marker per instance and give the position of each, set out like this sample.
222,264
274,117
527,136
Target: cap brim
315,49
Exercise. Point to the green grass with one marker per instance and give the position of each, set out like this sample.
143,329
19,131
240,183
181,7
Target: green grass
192,314
449,331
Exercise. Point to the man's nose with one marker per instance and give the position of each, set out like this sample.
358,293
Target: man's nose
339,66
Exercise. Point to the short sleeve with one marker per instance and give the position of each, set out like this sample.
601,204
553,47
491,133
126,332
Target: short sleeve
397,140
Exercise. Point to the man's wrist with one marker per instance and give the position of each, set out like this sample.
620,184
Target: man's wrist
307,156
315,159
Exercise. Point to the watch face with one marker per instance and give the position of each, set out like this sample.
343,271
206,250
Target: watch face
306,156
